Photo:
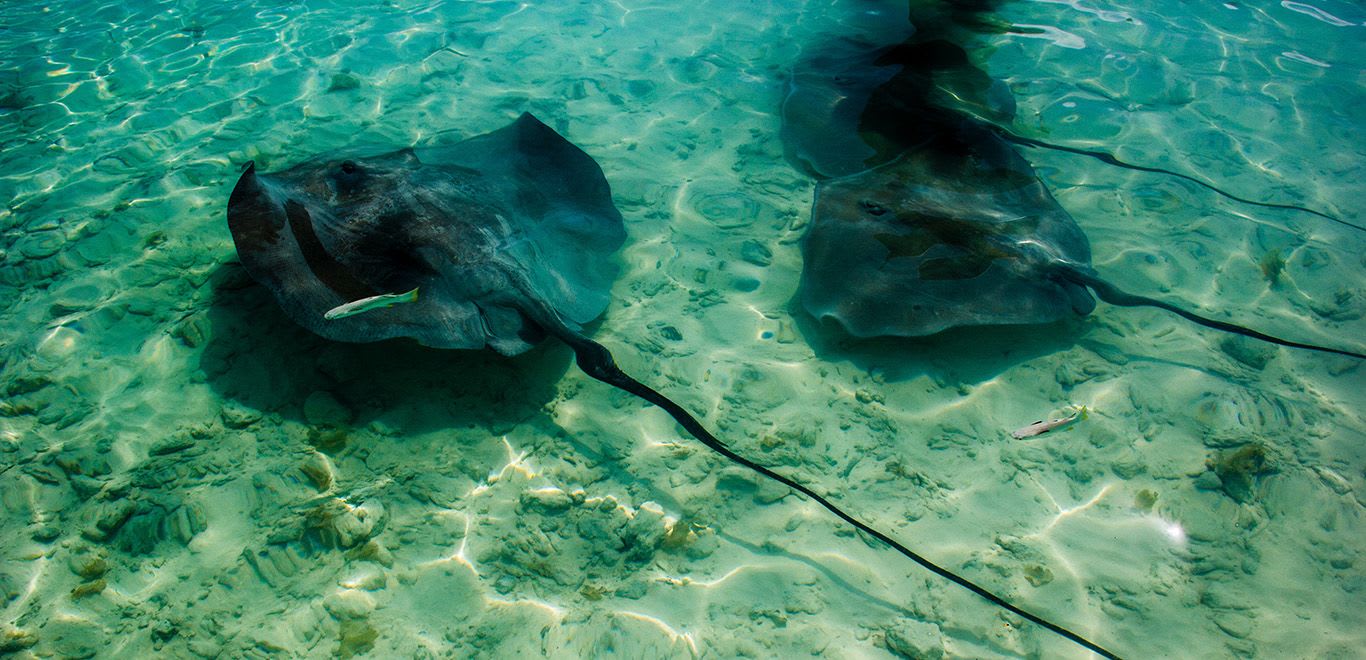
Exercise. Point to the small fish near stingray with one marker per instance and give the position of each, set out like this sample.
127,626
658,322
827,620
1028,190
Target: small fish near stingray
1048,425
926,218
491,242
494,242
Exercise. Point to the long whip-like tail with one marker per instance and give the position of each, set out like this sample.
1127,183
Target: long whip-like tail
1110,159
1113,295
597,361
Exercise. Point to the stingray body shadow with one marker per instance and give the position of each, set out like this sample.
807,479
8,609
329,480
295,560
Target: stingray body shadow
494,242
926,218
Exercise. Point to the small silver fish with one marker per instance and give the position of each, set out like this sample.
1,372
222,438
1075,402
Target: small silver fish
1041,427
367,304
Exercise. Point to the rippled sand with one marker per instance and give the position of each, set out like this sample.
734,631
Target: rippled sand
185,472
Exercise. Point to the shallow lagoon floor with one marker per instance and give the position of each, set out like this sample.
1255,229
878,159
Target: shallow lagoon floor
185,472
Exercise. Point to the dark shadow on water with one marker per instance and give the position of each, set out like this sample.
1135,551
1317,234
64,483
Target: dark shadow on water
958,356
258,357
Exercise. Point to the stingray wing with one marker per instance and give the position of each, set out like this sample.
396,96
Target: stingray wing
562,227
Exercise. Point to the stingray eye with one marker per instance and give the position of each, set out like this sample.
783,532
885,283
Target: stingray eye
871,207
348,179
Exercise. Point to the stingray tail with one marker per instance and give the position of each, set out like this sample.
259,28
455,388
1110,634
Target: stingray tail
1110,294
1110,159
596,361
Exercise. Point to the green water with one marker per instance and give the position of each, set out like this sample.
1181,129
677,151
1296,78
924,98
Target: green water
185,473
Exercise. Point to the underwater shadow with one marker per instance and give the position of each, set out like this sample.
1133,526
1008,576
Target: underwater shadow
258,357
958,356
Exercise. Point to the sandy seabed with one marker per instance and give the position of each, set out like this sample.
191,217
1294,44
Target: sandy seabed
184,472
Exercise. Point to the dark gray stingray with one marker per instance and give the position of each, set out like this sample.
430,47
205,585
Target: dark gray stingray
494,242
926,217
503,236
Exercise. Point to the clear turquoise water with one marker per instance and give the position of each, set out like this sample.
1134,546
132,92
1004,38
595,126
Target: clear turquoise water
167,488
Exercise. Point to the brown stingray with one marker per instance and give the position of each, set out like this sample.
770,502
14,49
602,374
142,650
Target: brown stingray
918,245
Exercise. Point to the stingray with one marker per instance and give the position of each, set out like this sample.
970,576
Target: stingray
926,218
496,242
502,237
